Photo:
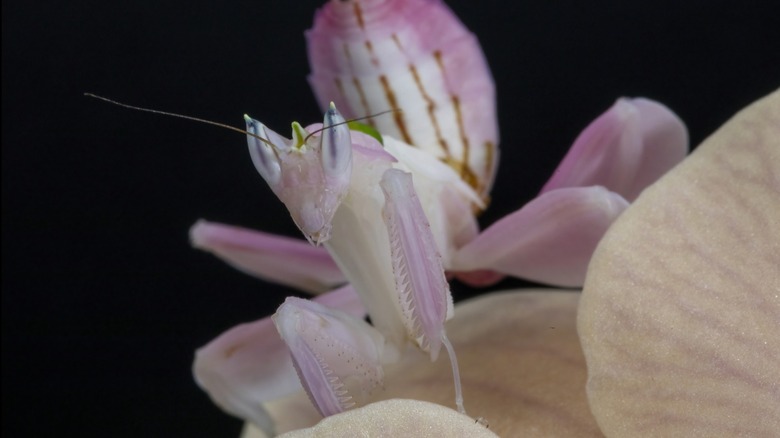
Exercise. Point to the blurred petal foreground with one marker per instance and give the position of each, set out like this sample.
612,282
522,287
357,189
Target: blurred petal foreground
679,322
680,314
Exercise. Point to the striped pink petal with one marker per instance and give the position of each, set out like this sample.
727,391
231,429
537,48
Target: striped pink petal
415,56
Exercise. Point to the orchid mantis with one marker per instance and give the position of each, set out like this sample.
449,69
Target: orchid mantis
393,216
312,174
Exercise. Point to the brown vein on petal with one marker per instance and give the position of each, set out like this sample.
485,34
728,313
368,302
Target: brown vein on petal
431,107
347,55
363,100
397,42
489,156
439,61
340,87
232,350
461,129
358,15
397,115
461,166
466,173
371,54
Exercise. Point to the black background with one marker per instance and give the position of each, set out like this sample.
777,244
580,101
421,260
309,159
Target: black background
103,300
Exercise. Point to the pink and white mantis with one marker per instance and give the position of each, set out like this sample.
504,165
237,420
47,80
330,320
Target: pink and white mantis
373,223
393,216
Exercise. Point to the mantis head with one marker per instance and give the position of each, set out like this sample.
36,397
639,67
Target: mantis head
310,172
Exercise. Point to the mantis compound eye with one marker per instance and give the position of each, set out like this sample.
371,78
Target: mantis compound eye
335,145
263,155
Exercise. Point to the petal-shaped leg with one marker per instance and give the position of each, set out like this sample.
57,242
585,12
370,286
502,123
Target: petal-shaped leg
625,149
550,239
419,276
421,286
338,357
249,364
279,259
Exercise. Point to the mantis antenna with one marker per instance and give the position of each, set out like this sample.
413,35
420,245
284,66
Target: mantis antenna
223,125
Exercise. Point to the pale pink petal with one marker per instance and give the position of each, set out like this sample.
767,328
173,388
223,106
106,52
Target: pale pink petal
279,259
550,239
625,149
250,364
244,367
665,144
680,315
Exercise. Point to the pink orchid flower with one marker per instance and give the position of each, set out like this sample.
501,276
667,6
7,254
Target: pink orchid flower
393,216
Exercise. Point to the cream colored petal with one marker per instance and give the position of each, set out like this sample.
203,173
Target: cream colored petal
680,316
290,413
521,366
396,418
